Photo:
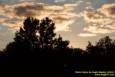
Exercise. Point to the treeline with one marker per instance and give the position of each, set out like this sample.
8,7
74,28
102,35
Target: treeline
36,43
98,57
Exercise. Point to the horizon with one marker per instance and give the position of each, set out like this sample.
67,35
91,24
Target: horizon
78,21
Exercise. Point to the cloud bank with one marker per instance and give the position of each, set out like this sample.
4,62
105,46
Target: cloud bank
101,20
12,15
108,10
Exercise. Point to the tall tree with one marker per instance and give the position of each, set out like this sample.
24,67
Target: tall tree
25,39
47,35
36,34
105,46
27,34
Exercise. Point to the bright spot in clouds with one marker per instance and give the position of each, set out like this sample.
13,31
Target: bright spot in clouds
86,35
59,0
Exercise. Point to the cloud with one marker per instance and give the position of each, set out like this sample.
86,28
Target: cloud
64,26
26,10
94,16
2,5
26,0
86,35
56,1
61,14
113,37
108,10
96,29
111,26
97,21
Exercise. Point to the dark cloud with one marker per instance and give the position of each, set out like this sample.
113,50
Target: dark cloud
22,11
2,5
28,10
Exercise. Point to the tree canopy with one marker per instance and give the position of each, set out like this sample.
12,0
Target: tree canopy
105,46
36,34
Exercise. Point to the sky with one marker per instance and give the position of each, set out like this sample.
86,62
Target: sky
78,21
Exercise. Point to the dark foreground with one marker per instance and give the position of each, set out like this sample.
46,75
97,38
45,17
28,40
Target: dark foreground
55,64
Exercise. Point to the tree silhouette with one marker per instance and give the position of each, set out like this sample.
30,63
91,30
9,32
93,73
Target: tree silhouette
46,33
89,46
105,46
59,43
25,39
36,34
104,42
36,42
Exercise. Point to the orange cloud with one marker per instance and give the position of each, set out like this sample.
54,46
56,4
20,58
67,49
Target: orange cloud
108,10
96,29
2,5
97,21
61,14
95,16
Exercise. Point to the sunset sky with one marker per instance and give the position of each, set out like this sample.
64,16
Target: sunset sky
78,21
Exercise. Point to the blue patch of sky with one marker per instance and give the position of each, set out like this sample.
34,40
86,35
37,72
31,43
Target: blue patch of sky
9,1
98,3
